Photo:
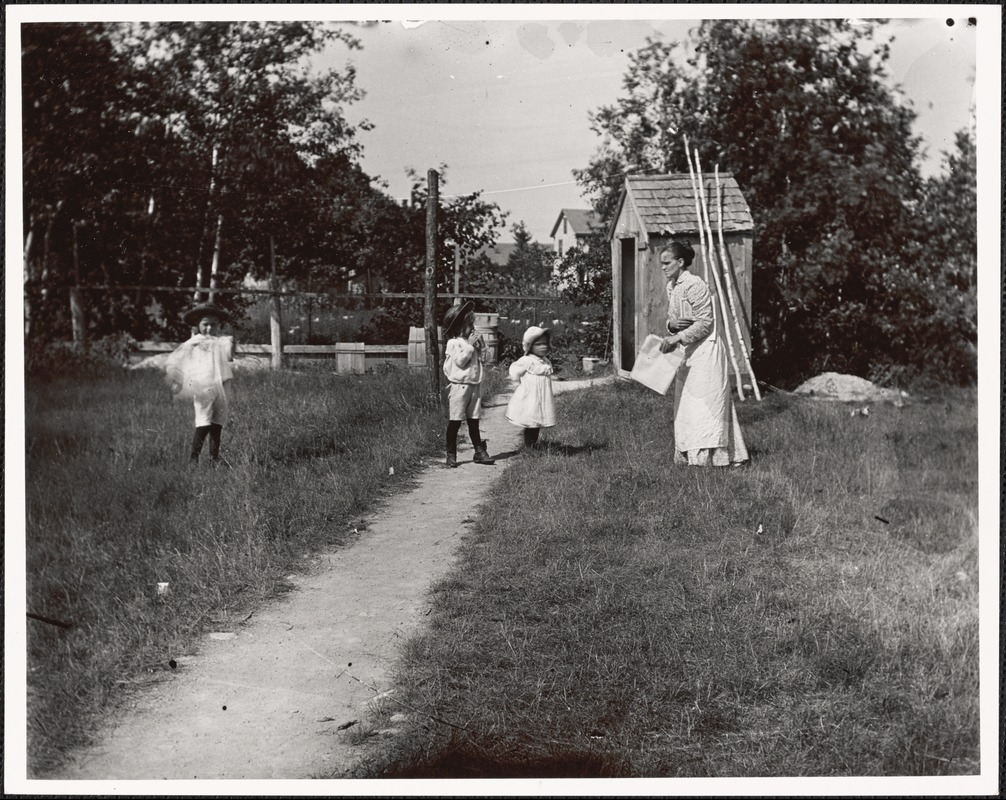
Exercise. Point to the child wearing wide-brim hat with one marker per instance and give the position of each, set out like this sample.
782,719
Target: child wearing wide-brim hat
464,354
532,406
200,369
195,314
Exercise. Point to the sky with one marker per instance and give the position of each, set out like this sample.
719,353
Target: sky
505,103
502,93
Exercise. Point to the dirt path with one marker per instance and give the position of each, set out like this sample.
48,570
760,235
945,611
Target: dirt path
266,699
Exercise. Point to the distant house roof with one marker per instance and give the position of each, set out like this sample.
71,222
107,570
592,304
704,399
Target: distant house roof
582,220
665,204
499,253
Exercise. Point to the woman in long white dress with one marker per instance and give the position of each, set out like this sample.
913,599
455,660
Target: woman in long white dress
706,429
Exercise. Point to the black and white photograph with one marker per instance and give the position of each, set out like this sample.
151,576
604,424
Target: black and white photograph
503,399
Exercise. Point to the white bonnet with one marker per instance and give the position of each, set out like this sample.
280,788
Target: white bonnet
532,334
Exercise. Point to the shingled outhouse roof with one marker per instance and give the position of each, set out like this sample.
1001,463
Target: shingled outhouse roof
665,204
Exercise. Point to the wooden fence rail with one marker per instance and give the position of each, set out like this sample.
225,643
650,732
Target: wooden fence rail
350,357
329,295
276,348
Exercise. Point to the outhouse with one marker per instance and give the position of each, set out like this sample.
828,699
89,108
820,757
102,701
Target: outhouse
652,211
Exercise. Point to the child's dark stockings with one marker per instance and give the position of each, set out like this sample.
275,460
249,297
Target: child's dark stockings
454,425
473,433
199,437
531,436
452,435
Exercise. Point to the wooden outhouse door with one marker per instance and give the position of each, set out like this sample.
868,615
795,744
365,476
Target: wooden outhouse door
628,303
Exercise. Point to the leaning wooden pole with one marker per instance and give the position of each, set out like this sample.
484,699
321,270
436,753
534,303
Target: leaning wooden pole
430,308
720,280
708,249
731,281
698,211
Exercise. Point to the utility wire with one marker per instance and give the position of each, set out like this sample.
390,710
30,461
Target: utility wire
312,191
520,189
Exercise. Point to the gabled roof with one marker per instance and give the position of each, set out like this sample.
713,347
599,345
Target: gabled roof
582,220
665,204
499,253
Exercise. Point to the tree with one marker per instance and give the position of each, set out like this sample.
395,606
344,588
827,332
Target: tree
530,264
255,119
800,112
528,270
170,152
79,147
583,276
398,251
931,291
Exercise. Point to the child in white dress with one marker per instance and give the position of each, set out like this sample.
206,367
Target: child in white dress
532,406
200,369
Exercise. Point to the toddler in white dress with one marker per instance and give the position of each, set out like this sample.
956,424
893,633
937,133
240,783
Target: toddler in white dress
532,406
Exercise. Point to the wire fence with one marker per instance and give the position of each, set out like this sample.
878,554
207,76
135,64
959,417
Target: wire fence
151,314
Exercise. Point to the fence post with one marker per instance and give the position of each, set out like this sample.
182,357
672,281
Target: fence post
275,318
430,310
77,314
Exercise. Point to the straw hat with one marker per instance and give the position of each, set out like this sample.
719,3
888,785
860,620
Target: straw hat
533,334
196,313
455,316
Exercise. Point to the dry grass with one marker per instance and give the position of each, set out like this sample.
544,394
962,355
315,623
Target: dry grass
113,508
612,614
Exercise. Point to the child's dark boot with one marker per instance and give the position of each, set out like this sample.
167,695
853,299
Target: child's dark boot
452,460
482,454
197,443
215,431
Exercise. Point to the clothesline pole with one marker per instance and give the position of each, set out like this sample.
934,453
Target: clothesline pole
730,280
702,212
276,311
430,307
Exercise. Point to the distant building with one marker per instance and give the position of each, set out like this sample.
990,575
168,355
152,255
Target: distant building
499,254
572,228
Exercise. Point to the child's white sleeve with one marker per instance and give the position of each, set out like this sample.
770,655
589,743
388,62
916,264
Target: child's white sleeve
175,365
460,351
518,368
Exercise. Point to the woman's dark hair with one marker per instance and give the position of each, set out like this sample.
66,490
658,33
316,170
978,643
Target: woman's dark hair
680,250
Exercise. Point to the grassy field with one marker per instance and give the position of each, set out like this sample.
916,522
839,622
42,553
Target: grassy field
113,509
612,614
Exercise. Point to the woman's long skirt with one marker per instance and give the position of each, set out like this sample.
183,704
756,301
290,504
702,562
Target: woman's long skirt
706,429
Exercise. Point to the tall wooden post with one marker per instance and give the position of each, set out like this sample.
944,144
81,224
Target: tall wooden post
457,274
28,278
430,308
77,316
215,266
275,318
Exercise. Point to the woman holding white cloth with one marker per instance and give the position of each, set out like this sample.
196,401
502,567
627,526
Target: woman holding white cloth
706,430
